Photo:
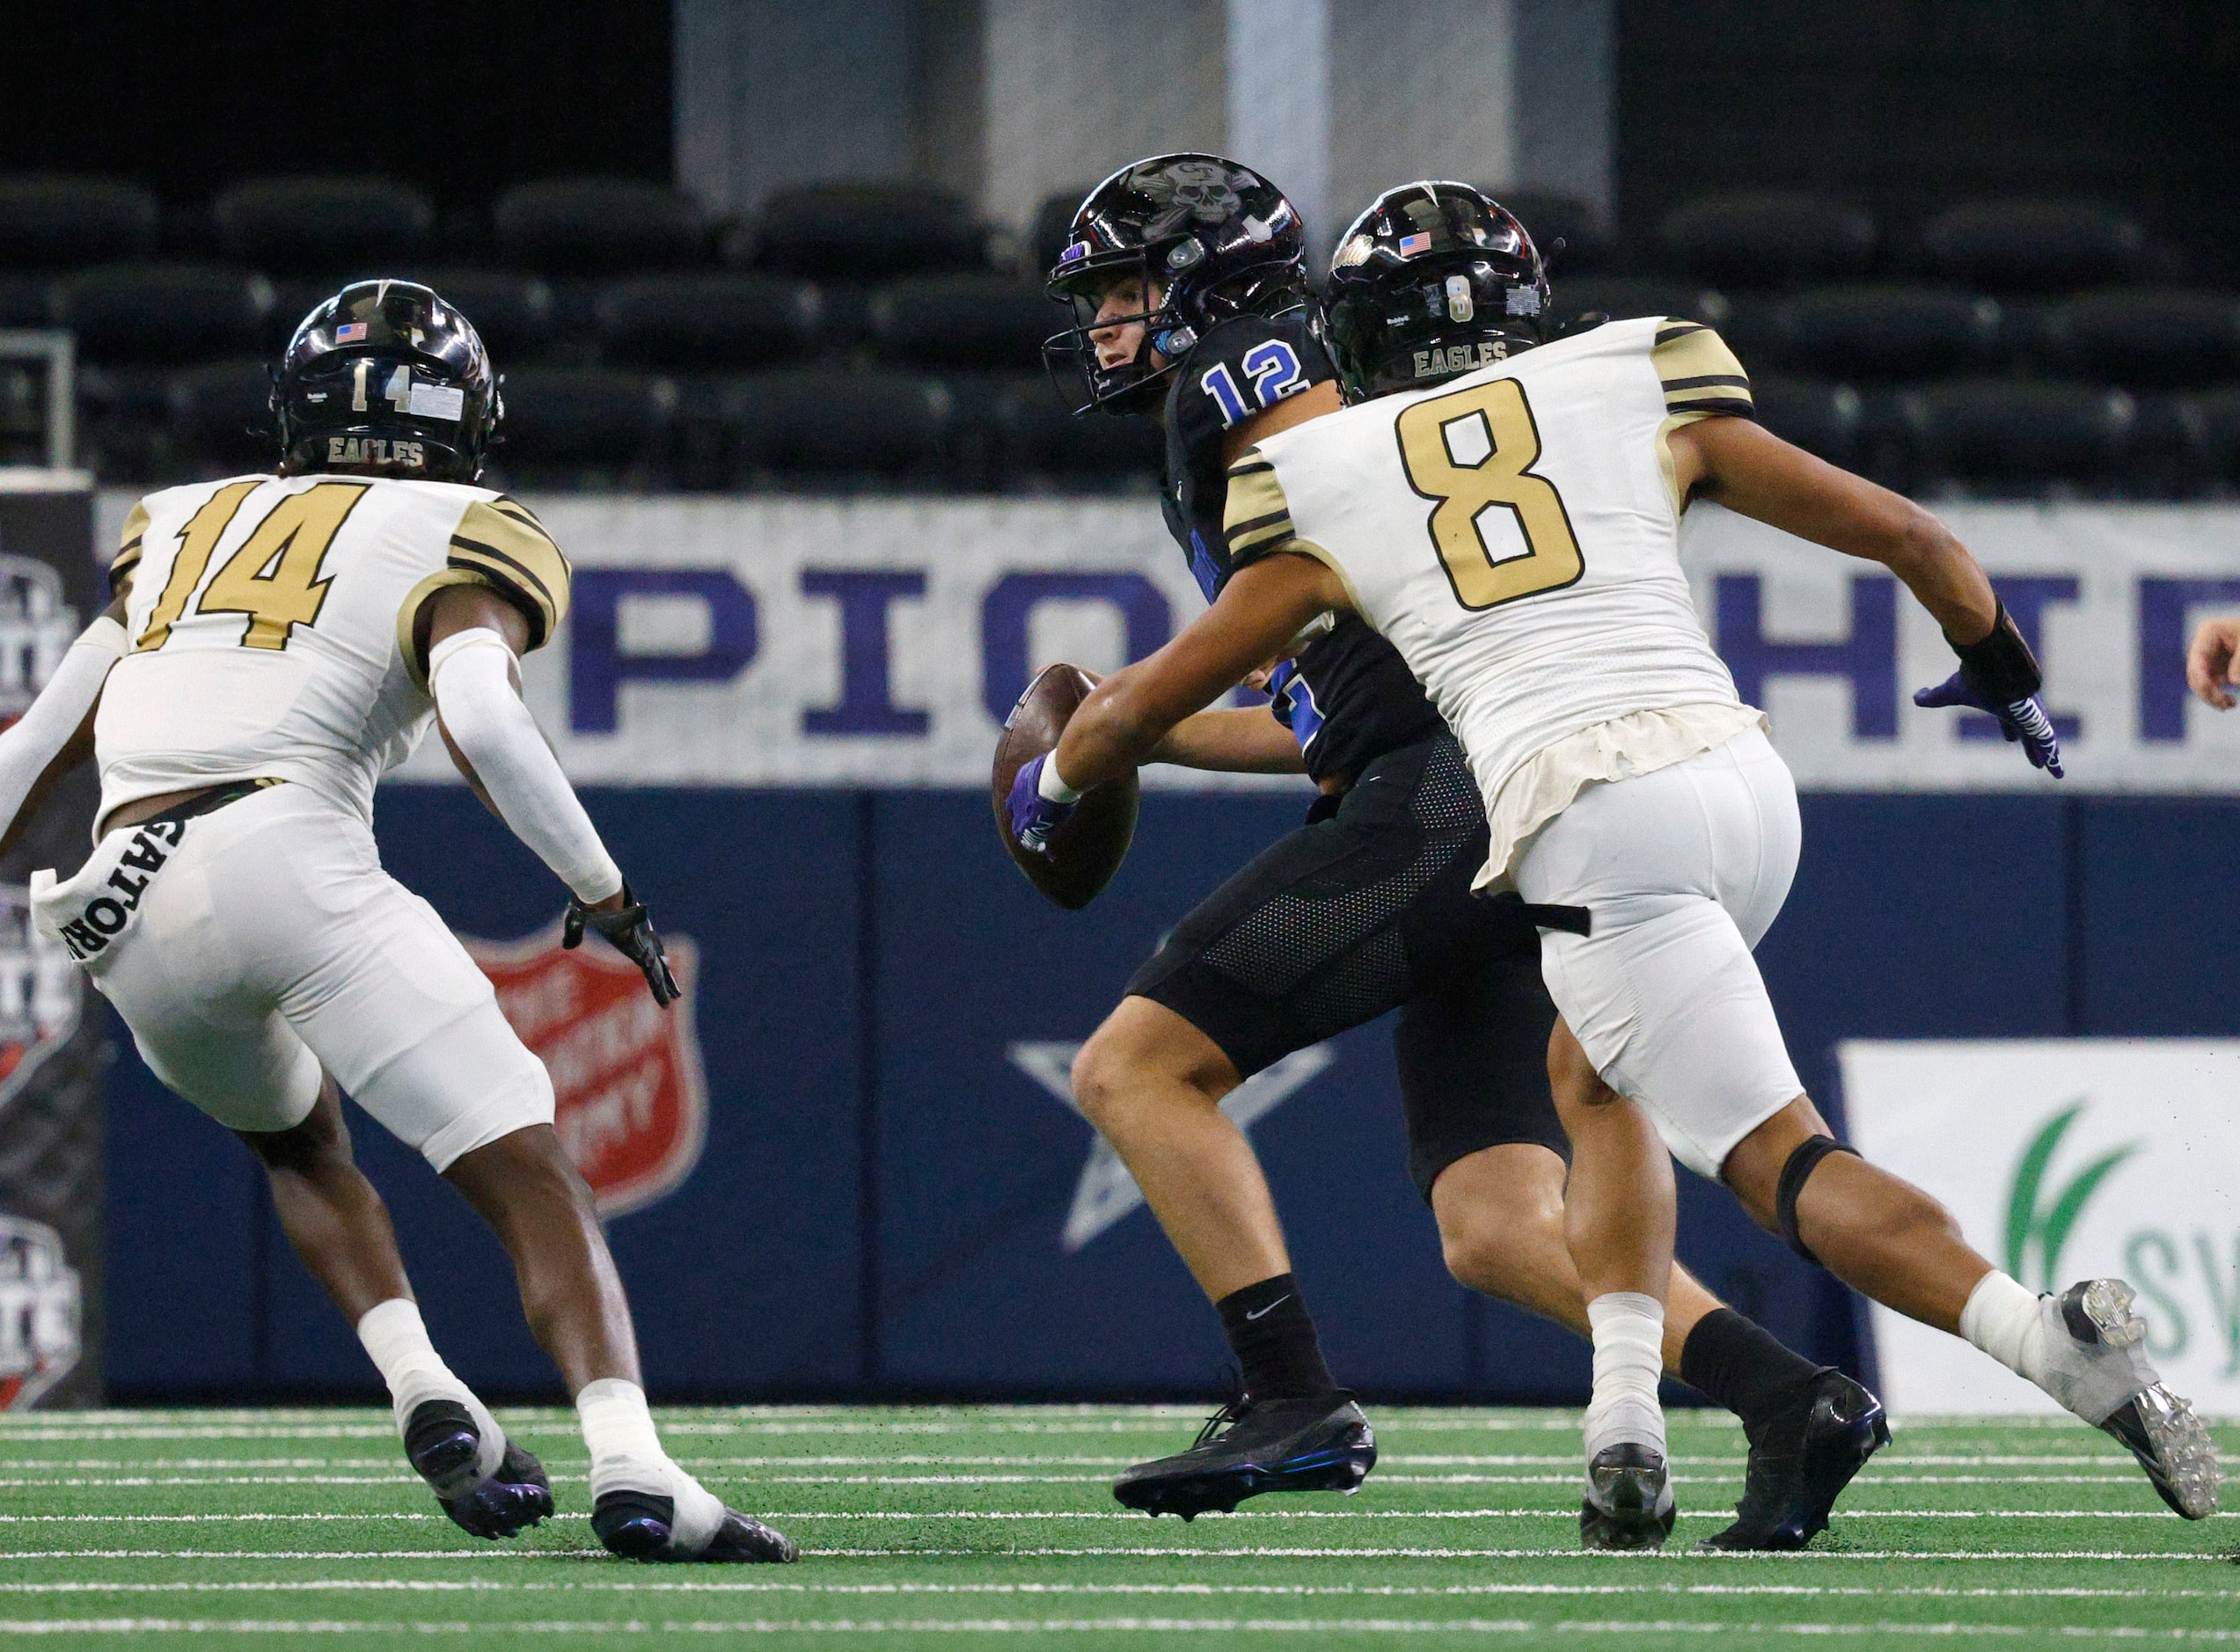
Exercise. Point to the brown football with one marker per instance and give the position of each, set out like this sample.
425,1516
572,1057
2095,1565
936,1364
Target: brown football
1087,850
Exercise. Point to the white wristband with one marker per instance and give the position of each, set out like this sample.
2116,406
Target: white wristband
1052,786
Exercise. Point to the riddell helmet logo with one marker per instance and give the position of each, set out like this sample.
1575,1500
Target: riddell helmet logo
631,1099
40,1312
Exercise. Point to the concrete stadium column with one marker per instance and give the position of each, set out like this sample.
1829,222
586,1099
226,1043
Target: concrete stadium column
1278,75
1566,99
1075,90
773,92
1420,89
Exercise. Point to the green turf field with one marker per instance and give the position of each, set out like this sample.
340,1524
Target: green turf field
946,1527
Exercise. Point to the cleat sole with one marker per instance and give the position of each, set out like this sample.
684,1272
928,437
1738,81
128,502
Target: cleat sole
2173,1446
1629,1505
508,1503
1220,1491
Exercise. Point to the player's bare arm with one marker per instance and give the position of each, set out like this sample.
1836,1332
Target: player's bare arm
1260,609
1239,741
1751,470
2210,662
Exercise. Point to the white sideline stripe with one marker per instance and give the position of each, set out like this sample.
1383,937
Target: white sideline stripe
381,1585
1240,1552
1397,1459
1086,1626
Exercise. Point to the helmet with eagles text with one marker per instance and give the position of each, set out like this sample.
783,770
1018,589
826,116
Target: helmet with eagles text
1203,238
388,379
1435,280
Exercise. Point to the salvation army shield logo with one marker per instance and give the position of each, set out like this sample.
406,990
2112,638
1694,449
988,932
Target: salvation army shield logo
631,1099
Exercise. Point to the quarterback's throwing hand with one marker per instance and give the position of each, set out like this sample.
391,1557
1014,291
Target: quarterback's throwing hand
630,932
1034,817
2209,662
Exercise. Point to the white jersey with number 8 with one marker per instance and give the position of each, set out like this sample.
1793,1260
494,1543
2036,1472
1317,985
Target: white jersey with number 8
278,626
1514,532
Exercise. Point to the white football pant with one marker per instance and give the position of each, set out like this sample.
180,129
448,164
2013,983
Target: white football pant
1684,869
271,943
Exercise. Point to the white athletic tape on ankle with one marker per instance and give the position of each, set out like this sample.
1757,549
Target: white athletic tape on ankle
1629,1359
626,1455
396,1339
2002,1318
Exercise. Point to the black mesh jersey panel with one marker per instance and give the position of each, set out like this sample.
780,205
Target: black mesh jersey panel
1348,696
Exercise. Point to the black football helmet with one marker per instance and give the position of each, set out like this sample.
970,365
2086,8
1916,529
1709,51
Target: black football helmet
1218,240
1435,280
386,376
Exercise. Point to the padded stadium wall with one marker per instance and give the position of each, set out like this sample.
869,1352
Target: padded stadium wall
782,712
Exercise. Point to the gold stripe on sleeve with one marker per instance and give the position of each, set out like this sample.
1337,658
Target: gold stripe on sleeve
127,555
1256,516
505,546
1700,377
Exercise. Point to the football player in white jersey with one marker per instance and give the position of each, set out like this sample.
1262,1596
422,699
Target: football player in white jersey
277,642
1513,528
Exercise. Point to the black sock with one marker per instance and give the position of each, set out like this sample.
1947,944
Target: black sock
1273,1337
1740,1364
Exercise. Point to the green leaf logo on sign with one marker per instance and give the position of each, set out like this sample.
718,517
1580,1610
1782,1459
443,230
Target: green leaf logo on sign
2047,1226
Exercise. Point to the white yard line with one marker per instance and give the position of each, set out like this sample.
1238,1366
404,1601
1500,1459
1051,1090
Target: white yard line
1177,1551
1088,1625
781,1515
347,1585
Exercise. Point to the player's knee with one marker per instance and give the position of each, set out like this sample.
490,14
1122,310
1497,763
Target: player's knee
1124,1068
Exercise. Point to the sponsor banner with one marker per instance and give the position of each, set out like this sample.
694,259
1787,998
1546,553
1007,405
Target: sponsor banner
2066,1159
53,1047
630,1102
794,641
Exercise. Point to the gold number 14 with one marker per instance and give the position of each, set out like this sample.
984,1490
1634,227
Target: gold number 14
272,578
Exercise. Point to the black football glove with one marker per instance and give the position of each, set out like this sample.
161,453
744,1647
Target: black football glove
630,932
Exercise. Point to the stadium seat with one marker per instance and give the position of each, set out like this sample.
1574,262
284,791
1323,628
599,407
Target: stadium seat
163,312
2019,434
861,231
26,301
1587,248
221,416
2148,338
2215,417
56,222
836,429
1046,237
1621,297
711,321
580,426
2034,245
985,323
295,226
1039,438
1820,417
1768,238
1888,332
596,226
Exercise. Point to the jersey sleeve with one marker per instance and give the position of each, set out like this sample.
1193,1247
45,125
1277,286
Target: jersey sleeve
499,544
128,557
1700,377
1257,522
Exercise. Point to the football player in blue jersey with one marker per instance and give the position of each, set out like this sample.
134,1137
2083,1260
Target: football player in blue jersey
1186,276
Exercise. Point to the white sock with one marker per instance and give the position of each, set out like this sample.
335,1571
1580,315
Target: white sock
395,1337
626,1455
2003,1319
1628,1358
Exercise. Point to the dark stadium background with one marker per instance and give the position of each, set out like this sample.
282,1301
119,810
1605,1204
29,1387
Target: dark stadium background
851,1230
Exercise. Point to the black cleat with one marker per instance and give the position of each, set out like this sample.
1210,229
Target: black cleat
1251,1446
443,1443
1800,1461
1629,1500
508,1503
637,1526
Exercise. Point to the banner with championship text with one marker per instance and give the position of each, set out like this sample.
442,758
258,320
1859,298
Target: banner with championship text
2066,1159
880,642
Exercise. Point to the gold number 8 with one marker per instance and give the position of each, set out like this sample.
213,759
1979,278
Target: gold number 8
1504,478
